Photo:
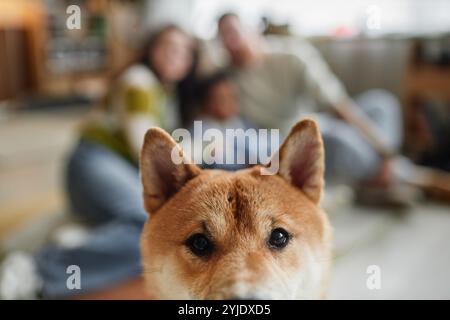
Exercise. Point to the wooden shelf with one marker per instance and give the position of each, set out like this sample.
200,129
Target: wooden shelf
428,80
38,67
423,82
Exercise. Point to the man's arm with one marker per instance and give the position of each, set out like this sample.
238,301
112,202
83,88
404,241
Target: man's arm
314,73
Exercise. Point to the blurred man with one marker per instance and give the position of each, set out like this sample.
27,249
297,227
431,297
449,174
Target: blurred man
360,136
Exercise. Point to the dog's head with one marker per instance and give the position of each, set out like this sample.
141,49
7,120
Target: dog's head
214,234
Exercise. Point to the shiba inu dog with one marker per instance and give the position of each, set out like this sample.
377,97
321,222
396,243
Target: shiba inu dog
215,234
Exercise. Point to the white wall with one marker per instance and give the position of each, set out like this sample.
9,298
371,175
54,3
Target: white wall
159,12
318,17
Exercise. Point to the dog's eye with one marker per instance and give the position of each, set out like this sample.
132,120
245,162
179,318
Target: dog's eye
199,244
279,238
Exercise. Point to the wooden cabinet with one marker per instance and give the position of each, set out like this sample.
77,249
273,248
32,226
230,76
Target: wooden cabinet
424,81
39,55
21,25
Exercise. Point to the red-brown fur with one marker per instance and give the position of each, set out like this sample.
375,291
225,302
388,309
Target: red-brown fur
239,210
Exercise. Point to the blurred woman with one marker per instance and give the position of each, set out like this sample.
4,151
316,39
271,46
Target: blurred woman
102,177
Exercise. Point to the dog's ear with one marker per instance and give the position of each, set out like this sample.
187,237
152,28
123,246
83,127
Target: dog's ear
301,159
164,168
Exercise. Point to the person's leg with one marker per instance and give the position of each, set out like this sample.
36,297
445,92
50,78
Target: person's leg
110,255
348,156
102,186
384,109
379,184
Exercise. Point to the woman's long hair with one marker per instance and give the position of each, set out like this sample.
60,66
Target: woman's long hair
185,88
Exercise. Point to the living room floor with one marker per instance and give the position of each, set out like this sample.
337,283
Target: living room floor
410,249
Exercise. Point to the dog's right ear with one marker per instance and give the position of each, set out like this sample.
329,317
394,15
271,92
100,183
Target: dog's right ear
162,174
301,159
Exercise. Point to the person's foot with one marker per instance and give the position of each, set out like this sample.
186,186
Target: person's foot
18,277
396,196
384,190
428,179
399,181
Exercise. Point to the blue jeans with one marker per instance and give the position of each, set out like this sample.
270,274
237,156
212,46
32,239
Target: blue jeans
348,156
105,190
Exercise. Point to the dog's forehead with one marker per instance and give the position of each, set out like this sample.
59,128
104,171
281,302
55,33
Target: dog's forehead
242,189
240,200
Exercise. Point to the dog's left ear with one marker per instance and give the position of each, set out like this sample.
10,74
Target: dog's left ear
301,159
164,168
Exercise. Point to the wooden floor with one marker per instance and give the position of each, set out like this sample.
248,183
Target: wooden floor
411,250
32,150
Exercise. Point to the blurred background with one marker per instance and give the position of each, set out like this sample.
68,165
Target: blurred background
52,77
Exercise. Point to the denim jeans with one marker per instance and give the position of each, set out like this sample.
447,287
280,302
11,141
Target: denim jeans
105,190
348,156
